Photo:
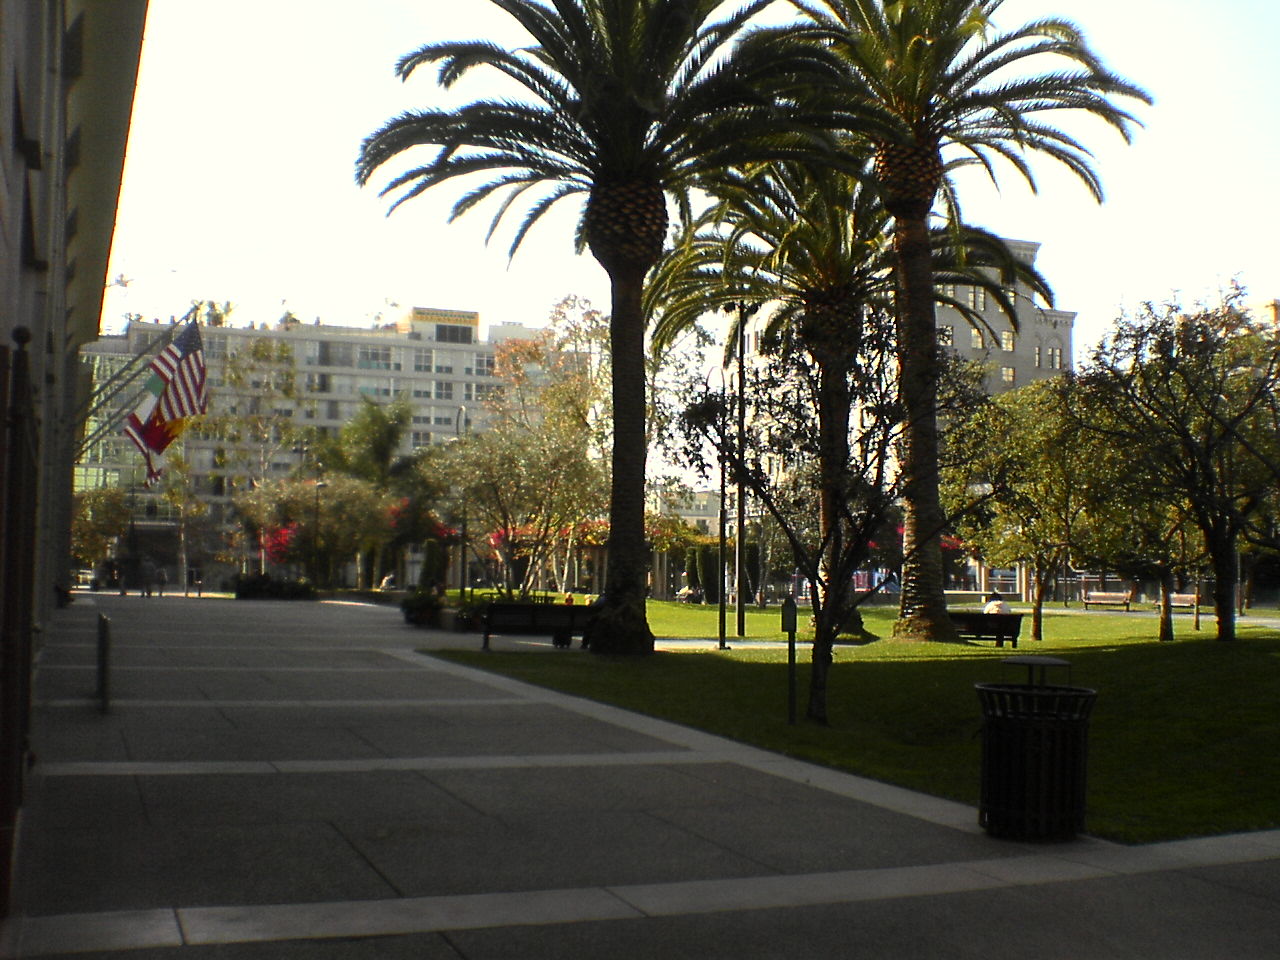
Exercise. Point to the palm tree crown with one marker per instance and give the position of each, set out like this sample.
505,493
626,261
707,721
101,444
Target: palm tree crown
619,102
931,74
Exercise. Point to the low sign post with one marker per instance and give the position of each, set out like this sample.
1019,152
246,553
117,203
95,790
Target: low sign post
789,628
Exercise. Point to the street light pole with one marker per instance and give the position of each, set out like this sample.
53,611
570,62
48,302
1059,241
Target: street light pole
738,571
459,424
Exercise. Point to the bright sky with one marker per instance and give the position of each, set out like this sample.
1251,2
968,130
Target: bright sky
249,113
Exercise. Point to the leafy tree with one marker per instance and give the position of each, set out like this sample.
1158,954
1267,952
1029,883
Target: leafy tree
302,527
1191,393
534,477
781,467
624,103
99,518
929,82
249,422
1028,459
195,527
1140,536
369,447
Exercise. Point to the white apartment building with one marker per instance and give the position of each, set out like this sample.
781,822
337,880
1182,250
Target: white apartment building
435,359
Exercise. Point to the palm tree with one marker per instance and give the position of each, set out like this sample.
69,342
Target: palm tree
813,245
924,77
627,102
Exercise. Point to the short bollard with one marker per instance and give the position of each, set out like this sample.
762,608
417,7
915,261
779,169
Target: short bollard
104,663
789,628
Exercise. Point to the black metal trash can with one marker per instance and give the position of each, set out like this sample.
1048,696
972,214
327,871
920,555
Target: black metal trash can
1035,745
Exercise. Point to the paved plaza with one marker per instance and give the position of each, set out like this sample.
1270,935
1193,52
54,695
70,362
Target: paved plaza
298,780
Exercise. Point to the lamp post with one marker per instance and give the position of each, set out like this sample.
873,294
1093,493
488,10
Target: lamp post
315,529
741,500
459,424
721,564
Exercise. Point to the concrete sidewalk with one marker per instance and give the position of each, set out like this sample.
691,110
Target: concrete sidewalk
295,780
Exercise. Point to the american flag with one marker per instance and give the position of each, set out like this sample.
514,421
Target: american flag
175,390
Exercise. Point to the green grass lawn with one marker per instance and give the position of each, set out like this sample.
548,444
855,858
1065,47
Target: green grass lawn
1184,741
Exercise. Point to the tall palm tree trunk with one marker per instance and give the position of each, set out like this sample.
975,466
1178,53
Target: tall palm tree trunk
923,611
621,625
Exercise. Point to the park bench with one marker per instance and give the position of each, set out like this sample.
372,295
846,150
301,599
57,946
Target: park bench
973,625
1101,598
1186,601
560,621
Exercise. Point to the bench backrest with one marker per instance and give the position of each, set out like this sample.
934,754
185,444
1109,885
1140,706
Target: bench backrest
533,615
1004,624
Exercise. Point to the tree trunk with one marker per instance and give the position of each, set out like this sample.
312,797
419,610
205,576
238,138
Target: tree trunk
1166,606
923,610
621,625
1037,606
1222,548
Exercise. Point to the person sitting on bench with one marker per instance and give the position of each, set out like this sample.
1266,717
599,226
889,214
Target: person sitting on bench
995,604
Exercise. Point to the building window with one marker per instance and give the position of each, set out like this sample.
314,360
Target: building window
1007,341
335,354
452,333
1055,358
420,438
421,360
975,338
374,358
444,421
444,390
1039,361
946,335
1007,375
484,365
977,298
